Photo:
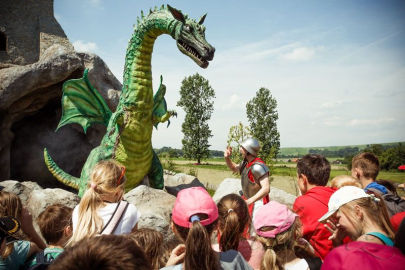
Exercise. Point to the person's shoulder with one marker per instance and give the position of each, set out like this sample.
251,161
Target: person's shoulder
232,259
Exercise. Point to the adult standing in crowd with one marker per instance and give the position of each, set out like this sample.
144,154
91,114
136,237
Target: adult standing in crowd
254,174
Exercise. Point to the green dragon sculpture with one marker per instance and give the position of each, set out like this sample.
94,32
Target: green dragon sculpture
129,128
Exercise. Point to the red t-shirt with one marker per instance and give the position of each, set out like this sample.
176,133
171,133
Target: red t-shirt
363,255
310,207
396,220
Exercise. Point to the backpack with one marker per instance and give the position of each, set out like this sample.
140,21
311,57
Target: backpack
42,262
394,203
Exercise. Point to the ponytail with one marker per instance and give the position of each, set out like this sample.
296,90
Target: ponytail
199,253
88,222
269,260
233,218
230,233
106,179
274,256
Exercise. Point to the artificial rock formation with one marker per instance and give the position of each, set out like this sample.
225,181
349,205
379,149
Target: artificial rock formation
36,58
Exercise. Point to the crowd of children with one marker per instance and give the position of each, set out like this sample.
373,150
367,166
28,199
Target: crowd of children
353,223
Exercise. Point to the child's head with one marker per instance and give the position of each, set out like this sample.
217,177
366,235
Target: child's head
107,180
278,229
10,205
102,253
355,210
365,165
314,170
194,218
232,221
106,184
151,241
55,224
344,180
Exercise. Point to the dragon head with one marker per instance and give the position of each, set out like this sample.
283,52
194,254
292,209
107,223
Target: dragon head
190,37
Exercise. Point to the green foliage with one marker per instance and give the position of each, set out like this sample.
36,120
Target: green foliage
197,101
334,151
237,134
166,162
262,115
192,171
343,152
390,156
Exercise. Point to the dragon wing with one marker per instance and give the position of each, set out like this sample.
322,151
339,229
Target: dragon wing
83,104
159,102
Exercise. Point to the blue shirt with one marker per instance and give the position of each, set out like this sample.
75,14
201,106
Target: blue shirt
17,257
377,186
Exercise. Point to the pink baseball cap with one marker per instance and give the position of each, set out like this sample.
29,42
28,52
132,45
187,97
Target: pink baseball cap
192,201
273,214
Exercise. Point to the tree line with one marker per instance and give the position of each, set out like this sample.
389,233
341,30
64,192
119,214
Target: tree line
196,99
390,156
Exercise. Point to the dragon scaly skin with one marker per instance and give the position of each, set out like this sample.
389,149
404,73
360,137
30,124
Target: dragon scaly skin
129,128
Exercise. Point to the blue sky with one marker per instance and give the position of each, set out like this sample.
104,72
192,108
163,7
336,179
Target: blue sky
336,68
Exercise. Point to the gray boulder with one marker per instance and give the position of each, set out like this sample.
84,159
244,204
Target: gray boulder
155,206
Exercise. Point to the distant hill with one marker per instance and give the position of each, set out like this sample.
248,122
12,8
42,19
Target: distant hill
300,151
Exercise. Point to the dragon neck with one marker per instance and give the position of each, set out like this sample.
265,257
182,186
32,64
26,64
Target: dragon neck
137,85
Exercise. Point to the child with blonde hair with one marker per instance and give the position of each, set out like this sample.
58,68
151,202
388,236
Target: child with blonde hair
279,231
344,180
102,210
364,218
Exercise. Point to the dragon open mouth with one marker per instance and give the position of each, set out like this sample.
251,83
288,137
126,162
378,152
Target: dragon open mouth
193,53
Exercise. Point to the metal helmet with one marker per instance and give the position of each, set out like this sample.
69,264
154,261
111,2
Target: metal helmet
252,146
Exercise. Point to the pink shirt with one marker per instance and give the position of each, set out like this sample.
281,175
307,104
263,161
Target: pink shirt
364,256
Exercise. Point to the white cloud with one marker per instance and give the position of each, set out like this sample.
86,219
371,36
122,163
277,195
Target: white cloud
372,122
331,104
300,54
95,2
235,101
82,46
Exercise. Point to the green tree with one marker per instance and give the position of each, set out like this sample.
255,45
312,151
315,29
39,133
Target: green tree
197,101
262,115
237,134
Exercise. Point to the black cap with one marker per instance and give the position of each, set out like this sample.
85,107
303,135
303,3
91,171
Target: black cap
8,227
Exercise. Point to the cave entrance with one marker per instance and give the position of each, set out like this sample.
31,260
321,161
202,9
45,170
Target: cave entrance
69,146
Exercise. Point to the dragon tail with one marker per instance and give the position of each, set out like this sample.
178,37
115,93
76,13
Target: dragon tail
59,174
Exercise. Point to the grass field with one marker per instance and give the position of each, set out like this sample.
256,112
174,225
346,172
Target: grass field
214,171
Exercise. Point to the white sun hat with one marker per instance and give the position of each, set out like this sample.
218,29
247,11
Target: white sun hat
341,197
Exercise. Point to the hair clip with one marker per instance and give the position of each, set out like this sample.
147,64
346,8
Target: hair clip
374,198
194,218
230,210
123,169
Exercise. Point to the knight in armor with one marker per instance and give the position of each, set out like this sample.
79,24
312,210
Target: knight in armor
254,174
